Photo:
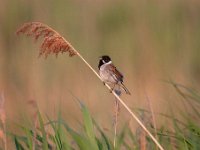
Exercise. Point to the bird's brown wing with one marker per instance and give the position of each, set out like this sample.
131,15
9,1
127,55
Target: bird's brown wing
116,73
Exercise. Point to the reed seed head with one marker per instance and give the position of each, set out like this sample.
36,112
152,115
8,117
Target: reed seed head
52,43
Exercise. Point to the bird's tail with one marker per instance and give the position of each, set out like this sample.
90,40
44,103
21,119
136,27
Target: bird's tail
125,89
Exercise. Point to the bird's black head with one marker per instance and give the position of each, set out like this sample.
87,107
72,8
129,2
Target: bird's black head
103,60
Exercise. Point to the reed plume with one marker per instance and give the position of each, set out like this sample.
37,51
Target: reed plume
54,43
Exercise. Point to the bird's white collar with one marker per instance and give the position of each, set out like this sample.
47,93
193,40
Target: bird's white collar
110,62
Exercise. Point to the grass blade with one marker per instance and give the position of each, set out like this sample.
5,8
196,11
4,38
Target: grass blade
44,137
17,144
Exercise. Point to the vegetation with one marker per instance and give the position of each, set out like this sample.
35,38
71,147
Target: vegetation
178,134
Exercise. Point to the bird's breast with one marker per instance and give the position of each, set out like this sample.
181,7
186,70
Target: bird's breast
106,74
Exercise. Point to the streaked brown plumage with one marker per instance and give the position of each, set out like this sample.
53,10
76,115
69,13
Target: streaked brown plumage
109,73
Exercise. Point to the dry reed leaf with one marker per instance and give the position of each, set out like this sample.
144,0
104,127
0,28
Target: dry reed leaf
1,134
2,109
116,111
34,116
116,115
3,120
142,140
52,43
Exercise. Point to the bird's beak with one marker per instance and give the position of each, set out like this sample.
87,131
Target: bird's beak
100,58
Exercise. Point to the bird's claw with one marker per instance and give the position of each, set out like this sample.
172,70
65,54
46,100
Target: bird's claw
111,90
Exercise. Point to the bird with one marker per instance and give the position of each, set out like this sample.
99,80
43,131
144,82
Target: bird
109,73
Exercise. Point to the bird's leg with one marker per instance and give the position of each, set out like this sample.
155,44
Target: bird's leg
112,88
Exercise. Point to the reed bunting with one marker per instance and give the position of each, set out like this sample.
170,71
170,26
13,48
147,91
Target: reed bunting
109,74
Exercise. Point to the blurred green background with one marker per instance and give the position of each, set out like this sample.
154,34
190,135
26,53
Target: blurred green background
150,41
